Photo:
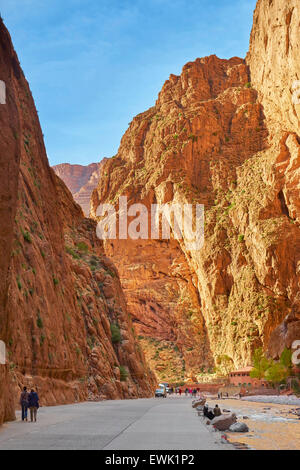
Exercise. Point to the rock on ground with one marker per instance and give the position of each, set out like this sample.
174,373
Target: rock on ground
239,427
223,422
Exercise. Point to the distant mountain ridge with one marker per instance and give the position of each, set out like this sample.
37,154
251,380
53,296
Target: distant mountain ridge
81,181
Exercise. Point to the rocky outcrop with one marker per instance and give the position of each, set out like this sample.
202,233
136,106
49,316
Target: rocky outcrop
224,134
284,335
81,181
273,59
63,315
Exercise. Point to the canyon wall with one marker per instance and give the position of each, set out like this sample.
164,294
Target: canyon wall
63,315
81,181
225,133
274,64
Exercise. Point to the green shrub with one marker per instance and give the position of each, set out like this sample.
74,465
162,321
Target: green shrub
71,252
82,247
123,374
55,281
111,273
248,85
94,261
39,321
19,283
91,342
116,336
42,340
193,137
241,238
296,386
27,237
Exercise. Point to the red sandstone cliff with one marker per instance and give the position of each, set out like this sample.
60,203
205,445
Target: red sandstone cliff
216,138
63,315
81,181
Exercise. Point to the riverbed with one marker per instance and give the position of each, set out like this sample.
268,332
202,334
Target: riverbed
271,426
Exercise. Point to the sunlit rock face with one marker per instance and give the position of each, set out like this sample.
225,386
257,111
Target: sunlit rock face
212,138
81,181
59,293
274,63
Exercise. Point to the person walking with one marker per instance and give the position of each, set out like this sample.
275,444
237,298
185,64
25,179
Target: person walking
180,392
33,404
24,403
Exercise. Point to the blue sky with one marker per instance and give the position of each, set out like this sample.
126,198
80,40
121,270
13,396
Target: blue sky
93,65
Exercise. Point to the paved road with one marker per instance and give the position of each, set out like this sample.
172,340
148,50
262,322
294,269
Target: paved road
169,424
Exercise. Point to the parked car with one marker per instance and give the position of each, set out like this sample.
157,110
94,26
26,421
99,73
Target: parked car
160,392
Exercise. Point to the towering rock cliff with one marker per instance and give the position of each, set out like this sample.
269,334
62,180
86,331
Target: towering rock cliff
81,181
225,133
274,64
63,315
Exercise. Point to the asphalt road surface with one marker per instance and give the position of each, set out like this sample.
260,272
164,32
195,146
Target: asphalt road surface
143,424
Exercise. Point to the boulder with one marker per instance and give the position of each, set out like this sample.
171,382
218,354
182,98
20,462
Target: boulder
199,403
239,427
223,422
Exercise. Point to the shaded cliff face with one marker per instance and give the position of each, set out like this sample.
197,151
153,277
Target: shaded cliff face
81,181
10,126
207,140
61,297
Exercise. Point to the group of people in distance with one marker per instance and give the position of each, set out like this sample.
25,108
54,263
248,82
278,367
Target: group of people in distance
211,414
192,392
29,401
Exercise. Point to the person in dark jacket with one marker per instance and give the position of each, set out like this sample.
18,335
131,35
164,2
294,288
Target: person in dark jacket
217,411
33,404
24,403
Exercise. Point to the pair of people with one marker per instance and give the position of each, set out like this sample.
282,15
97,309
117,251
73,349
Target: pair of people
211,415
31,401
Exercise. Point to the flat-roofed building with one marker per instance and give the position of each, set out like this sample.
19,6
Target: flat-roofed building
241,378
